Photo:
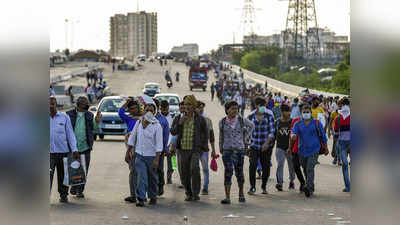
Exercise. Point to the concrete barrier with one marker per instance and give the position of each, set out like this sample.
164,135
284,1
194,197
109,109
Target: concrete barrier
284,88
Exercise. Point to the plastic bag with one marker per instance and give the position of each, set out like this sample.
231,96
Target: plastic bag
74,170
213,164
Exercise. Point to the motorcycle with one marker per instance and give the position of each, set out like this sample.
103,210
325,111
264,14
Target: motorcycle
169,83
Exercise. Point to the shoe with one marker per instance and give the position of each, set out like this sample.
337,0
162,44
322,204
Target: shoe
339,163
301,189
153,201
204,192
226,201
64,199
181,187
346,190
334,162
140,203
307,192
252,191
130,199
72,192
291,185
189,198
279,187
160,191
196,198
242,199
80,195
264,191
169,181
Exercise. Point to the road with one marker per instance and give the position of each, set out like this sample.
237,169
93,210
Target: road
108,179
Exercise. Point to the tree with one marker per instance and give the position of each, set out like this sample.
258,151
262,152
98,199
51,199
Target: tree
347,57
66,52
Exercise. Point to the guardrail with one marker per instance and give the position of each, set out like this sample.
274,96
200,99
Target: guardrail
69,75
284,88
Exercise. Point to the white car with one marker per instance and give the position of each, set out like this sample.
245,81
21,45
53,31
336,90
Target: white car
173,100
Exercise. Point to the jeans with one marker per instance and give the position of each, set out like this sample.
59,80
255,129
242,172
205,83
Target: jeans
297,168
308,164
233,160
132,176
81,188
206,171
265,159
190,167
342,150
56,162
281,155
147,177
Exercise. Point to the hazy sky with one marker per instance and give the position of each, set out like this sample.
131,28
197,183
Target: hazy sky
206,22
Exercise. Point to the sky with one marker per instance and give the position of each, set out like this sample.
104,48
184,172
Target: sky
207,23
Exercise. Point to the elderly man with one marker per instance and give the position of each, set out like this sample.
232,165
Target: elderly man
62,139
192,136
145,144
84,124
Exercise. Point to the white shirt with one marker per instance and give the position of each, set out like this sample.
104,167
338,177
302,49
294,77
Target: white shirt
149,139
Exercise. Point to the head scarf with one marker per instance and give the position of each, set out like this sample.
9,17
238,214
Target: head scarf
150,117
190,99
345,111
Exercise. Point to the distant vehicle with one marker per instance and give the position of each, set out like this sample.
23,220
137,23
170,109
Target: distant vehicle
198,78
151,89
141,58
126,66
169,83
173,100
111,123
170,57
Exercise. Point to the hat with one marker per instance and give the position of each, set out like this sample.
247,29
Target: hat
190,99
150,117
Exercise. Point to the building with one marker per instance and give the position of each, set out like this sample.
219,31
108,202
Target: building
133,34
271,40
85,56
191,49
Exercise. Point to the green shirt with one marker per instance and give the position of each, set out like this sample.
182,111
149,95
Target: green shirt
187,136
80,131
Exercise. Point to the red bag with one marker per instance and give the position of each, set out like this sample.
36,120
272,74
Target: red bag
213,164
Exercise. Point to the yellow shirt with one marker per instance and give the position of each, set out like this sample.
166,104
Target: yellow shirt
317,111
334,114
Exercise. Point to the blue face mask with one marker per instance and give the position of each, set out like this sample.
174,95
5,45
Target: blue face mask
306,116
262,110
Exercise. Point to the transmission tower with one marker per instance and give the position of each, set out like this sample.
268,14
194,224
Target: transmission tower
248,20
301,37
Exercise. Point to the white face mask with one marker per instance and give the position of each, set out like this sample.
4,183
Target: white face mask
306,116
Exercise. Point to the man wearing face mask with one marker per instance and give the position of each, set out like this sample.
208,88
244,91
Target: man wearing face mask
84,124
308,130
145,144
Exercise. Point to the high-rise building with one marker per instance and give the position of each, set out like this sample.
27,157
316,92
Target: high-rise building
133,34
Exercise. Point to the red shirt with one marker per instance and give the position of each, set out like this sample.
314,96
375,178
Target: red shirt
295,148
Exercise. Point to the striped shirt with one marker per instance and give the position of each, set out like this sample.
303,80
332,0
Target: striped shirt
262,130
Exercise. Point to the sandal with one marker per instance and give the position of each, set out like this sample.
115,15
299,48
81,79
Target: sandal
242,199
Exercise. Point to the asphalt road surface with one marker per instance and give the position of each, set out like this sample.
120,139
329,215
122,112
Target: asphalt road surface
107,184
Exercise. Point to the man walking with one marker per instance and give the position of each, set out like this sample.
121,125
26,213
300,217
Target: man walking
261,147
84,124
147,141
204,156
282,146
234,133
134,111
191,130
62,140
212,88
164,108
311,134
165,131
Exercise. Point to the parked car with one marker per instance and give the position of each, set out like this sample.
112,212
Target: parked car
151,89
111,123
173,100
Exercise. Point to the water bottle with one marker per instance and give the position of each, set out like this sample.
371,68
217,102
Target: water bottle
173,162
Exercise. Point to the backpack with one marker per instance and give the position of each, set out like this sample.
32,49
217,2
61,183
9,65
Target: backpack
241,122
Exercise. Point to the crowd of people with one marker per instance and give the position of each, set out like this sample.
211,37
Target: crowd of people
296,130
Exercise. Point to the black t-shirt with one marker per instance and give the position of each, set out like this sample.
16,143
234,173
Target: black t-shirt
282,134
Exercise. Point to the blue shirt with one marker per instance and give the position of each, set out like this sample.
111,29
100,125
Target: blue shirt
309,142
62,136
295,112
165,126
262,130
130,122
